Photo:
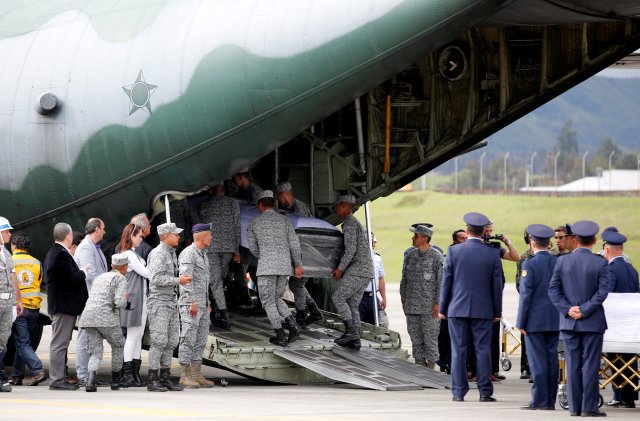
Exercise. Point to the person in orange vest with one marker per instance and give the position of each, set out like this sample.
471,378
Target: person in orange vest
29,275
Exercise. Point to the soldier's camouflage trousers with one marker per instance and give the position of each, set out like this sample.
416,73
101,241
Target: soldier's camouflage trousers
218,268
423,330
301,296
271,288
95,337
6,320
346,298
164,327
193,335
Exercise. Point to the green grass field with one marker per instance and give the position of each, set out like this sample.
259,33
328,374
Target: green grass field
392,216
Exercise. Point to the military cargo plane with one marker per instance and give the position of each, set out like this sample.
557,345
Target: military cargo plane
106,106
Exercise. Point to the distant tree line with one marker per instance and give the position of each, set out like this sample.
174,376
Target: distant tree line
543,171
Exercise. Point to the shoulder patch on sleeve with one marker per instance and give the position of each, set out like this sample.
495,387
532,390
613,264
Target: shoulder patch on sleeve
523,273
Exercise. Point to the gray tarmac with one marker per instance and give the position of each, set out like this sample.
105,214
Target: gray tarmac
246,399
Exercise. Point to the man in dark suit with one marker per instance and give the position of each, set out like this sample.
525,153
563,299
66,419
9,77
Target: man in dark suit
578,287
66,296
538,319
623,278
471,299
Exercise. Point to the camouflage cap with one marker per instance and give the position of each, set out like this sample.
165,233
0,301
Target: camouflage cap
346,198
168,228
283,187
265,194
422,230
119,259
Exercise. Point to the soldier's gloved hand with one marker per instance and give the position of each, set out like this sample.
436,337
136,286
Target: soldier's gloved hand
185,279
298,272
337,274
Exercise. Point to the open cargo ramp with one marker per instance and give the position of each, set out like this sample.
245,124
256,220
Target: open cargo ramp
343,371
398,368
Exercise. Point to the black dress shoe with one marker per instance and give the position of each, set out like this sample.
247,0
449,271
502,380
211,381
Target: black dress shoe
594,414
529,407
457,399
487,399
500,376
627,404
546,408
575,414
525,375
62,385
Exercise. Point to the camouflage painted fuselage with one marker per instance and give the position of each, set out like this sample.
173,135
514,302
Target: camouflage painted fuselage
171,95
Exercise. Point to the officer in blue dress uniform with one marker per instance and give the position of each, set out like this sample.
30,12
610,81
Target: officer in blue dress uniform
538,319
578,287
471,299
623,278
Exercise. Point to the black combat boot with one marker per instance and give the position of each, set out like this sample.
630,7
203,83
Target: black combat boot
294,329
350,333
116,380
280,339
355,344
90,385
301,318
127,374
224,320
165,379
135,371
154,384
315,315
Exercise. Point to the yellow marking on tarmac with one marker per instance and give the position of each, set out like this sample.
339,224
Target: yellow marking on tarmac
104,409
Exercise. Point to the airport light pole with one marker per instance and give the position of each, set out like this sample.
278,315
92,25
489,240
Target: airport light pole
482,161
584,166
639,173
610,158
533,155
505,170
455,177
555,170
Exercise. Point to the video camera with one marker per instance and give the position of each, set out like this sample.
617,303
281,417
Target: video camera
493,240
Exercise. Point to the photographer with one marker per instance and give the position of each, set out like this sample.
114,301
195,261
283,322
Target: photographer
509,253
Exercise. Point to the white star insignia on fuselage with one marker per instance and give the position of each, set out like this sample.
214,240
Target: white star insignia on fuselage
139,94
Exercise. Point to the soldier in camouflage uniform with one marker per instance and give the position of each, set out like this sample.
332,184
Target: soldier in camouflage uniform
108,292
247,189
273,241
354,272
194,308
419,293
301,296
223,213
162,307
9,292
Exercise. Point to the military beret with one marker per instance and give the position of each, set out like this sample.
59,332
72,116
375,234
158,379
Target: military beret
346,198
585,229
168,228
283,187
120,259
613,237
200,228
612,228
422,230
265,194
426,224
540,231
475,219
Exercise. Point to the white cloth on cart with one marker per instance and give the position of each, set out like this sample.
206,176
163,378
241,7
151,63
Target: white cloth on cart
623,320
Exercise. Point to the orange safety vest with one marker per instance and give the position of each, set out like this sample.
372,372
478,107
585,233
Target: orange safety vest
29,274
